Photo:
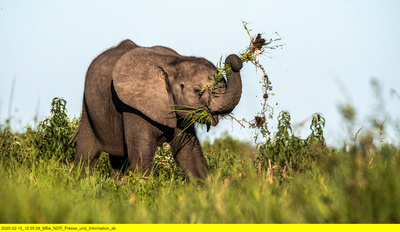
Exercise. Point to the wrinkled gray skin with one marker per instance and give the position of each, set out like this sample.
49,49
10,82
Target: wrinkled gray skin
130,105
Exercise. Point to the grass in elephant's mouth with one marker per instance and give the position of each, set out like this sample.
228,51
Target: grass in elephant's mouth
192,115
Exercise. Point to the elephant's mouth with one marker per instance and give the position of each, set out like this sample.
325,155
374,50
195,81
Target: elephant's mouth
214,119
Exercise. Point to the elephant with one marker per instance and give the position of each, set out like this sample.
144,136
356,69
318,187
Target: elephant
137,98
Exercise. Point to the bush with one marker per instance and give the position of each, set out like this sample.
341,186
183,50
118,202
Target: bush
47,142
165,167
55,131
284,154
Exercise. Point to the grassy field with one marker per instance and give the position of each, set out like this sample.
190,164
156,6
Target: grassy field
282,180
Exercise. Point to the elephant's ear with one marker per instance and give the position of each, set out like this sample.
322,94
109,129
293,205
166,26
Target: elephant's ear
141,82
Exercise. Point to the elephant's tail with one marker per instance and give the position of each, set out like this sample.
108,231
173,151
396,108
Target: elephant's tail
71,140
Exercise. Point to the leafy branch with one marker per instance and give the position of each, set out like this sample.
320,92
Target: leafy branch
257,47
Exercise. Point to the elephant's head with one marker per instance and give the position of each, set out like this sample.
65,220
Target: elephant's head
166,86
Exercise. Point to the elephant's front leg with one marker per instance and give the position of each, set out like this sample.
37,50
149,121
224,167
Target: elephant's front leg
189,155
141,143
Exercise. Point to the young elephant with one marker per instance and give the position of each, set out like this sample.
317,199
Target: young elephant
137,98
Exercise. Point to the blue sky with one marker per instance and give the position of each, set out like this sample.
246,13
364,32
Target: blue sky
332,50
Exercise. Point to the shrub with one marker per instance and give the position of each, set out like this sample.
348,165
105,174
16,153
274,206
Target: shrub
284,154
55,131
47,142
164,166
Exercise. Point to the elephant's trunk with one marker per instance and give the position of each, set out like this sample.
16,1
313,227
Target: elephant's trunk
224,104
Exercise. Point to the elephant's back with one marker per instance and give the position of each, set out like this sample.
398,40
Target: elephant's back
101,104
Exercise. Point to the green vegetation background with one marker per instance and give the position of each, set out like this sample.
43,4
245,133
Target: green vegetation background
284,179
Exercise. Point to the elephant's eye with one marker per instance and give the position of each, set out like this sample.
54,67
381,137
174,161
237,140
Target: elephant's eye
182,86
199,90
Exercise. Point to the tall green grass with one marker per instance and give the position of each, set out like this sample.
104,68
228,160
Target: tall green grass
285,179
